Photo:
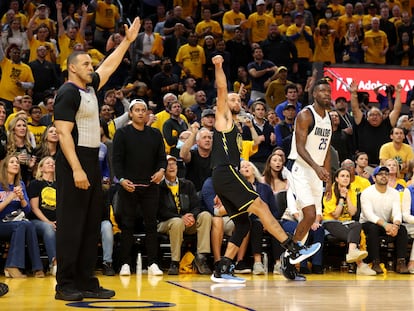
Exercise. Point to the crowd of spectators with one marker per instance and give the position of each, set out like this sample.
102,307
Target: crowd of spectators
269,49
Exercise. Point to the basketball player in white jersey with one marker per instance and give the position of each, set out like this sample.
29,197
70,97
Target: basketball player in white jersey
310,153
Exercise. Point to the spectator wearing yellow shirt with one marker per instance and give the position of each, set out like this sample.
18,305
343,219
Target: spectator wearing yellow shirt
191,58
396,16
375,44
40,36
42,17
367,19
337,8
345,20
275,92
106,17
69,38
397,149
232,20
16,77
258,23
286,23
14,6
301,35
207,27
329,20
189,7
277,12
324,44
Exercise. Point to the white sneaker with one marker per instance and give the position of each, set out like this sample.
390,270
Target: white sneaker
356,255
53,270
364,269
258,268
277,267
125,270
154,270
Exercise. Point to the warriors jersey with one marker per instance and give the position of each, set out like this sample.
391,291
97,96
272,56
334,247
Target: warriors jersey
227,147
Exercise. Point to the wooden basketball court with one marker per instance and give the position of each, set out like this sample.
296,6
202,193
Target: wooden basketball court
331,291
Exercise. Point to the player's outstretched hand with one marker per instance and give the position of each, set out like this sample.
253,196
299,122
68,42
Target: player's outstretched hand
218,59
132,32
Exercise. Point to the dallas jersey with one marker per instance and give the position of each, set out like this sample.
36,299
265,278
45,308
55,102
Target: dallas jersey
319,137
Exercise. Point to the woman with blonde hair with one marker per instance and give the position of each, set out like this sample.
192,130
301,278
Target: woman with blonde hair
14,206
18,142
42,194
394,181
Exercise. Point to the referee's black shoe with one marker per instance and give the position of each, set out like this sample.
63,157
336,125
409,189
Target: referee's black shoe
100,293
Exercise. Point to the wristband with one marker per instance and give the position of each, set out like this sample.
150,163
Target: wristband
384,225
121,180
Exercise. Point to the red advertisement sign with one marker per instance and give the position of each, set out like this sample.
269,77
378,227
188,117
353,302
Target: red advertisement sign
368,79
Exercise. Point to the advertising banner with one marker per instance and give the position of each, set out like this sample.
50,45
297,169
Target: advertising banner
368,79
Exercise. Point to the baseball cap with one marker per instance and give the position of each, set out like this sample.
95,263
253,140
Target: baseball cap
372,6
289,106
260,2
298,14
280,68
380,169
170,157
42,5
137,101
207,112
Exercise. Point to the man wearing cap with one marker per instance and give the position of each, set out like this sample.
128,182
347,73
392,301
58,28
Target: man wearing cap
258,23
208,118
275,92
139,162
79,189
207,27
307,15
284,129
381,215
42,14
367,18
180,213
